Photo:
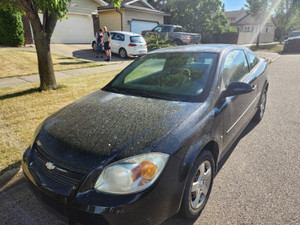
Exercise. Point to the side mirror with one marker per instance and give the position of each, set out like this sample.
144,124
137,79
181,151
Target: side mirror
237,88
233,89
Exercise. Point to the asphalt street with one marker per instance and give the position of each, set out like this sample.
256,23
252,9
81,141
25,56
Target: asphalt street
258,184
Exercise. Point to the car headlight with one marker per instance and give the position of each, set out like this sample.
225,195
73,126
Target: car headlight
36,132
132,174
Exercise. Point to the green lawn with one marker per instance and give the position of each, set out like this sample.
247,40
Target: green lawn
268,47
23,108
15,62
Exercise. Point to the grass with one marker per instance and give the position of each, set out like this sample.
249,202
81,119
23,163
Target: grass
268,47
23,108
19,63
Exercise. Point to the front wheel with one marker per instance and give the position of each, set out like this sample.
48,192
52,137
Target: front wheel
261,108
198,186
123,53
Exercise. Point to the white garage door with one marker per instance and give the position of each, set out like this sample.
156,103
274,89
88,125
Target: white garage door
138,26
75,29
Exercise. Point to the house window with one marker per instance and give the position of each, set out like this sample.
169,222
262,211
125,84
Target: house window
267,29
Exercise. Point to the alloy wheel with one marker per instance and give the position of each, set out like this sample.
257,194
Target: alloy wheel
200,186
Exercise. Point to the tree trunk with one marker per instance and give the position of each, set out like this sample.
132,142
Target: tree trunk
46,71
258,36
42,32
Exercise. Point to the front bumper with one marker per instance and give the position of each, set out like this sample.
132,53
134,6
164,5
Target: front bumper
151,206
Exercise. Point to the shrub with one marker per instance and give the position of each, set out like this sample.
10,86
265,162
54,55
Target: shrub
156,42
11,27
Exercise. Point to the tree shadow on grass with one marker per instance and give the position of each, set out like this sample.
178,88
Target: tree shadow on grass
19,94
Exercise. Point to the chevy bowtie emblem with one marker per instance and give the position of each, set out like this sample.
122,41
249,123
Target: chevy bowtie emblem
50,166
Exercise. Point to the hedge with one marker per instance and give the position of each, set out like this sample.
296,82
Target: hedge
11,27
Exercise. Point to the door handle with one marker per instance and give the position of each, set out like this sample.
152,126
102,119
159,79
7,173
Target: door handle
254,87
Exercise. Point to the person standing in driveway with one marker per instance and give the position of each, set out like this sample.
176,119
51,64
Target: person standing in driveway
99,41
107,41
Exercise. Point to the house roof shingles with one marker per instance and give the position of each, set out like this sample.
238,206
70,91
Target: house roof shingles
128,4
242,17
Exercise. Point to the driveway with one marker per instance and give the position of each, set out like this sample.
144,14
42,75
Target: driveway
80,51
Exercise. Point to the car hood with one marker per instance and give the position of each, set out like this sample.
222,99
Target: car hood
109,126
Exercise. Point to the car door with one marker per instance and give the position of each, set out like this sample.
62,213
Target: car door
238,109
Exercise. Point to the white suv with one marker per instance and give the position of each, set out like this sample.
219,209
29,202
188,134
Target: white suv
126,44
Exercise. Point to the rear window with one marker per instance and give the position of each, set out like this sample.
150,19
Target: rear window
137,39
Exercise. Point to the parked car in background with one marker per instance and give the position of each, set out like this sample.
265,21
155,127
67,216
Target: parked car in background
292,44
126,44
174,33
148,145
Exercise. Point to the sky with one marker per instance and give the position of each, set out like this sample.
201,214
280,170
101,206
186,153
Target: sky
233,4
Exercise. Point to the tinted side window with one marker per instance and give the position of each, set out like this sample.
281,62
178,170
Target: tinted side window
235,67
253,60
166,29
112,35
177,29
118,37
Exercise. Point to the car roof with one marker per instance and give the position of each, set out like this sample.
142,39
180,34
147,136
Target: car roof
212,48
126,33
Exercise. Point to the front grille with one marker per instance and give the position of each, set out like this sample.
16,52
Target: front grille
61,173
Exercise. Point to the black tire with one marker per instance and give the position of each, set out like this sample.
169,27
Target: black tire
178,42
261,107
94,46
123,53
190,207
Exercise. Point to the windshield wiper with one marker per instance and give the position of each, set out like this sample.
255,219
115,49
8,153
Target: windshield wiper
153,95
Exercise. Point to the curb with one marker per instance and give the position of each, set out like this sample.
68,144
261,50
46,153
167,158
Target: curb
274,58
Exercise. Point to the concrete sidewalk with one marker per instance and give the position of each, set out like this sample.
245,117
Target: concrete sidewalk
13,81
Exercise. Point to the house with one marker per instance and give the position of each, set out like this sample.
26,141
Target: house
81,23
248,28
133,16
84,17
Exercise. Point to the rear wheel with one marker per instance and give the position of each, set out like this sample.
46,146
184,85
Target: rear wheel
123,53
261,108
198,186
178,42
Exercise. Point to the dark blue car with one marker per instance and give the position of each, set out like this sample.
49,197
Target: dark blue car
148,145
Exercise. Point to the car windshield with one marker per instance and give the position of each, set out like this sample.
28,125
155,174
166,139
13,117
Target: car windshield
183,76
137,39
295,34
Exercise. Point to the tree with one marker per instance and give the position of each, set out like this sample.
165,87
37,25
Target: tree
11,27
203,16
43,28
259,9
287,14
